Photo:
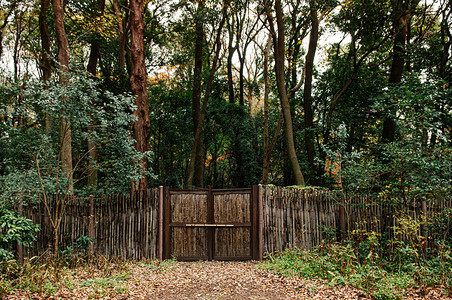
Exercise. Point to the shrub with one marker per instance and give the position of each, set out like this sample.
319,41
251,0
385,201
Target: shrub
15,228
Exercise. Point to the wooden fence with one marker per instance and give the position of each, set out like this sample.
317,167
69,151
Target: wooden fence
303,218
132,226
125,226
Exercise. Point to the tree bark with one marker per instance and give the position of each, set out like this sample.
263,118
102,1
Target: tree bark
400,23
122,35
279,51
45,64
309,70
63,60
196,97
268,147
231,50
138,76
92,69
266,160
198,129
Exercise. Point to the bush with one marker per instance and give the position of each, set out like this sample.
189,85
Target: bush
342,264
441,227
15,228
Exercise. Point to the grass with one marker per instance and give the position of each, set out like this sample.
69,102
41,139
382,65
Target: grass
340,264
96,277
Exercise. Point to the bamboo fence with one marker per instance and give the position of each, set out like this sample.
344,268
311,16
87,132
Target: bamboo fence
128,226
122,226
304,218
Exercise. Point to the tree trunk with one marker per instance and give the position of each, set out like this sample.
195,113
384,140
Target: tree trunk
45,52
266,160
309,67
17,42
198,129
196,98
122,34
279,51
241,79
138,76
63,60
231,51
400,23
268,147
92,69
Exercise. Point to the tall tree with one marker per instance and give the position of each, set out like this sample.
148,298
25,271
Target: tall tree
401,13
279,53
203,109
45,63
196,94
92,69
138,77
63,61
309,73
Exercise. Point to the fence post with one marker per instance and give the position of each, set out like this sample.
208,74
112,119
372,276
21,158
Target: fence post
342,223
260,230
160,236
91,223
20,249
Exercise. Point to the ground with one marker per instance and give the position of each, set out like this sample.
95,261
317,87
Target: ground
193,280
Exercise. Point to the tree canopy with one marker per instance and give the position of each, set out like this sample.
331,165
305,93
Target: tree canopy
107,96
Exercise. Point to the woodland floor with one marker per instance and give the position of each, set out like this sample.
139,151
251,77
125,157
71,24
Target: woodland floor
195,280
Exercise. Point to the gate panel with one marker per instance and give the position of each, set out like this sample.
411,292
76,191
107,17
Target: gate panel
189,207
189,243
210,224
232,209
232,243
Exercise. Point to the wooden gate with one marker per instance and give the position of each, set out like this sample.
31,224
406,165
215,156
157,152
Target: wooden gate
208,224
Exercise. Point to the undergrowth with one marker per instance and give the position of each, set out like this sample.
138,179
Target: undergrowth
388,277
50,274
385,268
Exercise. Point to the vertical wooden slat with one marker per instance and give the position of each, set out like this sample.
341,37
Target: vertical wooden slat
210,219
260,230
160,236
167,220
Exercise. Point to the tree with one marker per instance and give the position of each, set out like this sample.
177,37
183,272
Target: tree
138,86
401,13
196,95
279,53
203,108
63,61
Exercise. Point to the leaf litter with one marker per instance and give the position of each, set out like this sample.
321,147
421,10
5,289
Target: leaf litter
198,280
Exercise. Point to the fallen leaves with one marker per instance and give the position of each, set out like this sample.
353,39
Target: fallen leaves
200,280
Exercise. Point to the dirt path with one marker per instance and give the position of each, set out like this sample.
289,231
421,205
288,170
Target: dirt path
197,280
233,280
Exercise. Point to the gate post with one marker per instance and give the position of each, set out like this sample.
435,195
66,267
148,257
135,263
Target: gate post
160,234
260,229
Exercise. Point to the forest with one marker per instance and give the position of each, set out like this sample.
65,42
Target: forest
107,99
112,96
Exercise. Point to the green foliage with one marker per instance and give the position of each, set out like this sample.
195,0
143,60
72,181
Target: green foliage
83,242
97,277
418,164
15,228
233,159
339,264
30,161
441,227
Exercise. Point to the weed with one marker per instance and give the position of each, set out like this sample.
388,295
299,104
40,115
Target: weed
105,277
161,266
341,264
